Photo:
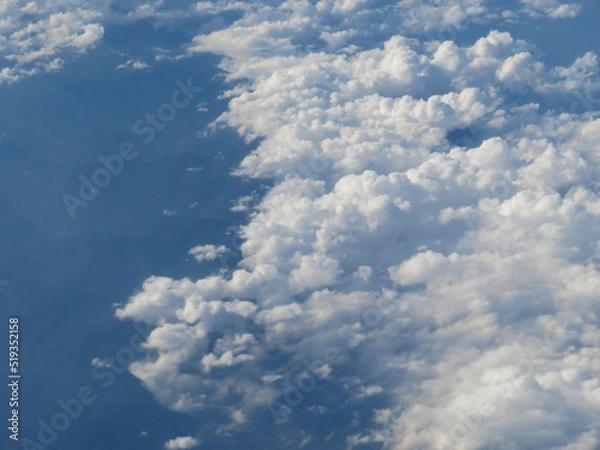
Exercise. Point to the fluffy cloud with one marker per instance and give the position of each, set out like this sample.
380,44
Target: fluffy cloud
550,8
181,443
133,64
457,276
35,36
207,252
38,36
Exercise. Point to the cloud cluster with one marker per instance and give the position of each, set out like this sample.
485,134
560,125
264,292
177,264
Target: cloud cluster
550,8
428,217
35,36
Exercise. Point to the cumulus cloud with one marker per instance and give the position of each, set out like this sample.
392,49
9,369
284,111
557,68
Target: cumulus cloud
133,64
243,203
36,36
39,36
181,443
207,252
457,277
550,8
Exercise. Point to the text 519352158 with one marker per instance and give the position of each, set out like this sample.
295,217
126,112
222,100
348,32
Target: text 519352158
13,377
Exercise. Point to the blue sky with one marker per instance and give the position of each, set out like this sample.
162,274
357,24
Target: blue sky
374,225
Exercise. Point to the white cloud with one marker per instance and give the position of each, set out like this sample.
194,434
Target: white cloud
227,359
243,203
97,362
133,64
550,8
37,45
469,268
207,252
37,36
181,443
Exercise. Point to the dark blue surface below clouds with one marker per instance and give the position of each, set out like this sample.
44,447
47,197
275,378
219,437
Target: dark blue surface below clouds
65,274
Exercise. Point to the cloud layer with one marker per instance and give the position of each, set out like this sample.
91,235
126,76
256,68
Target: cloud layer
35,36
430,222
